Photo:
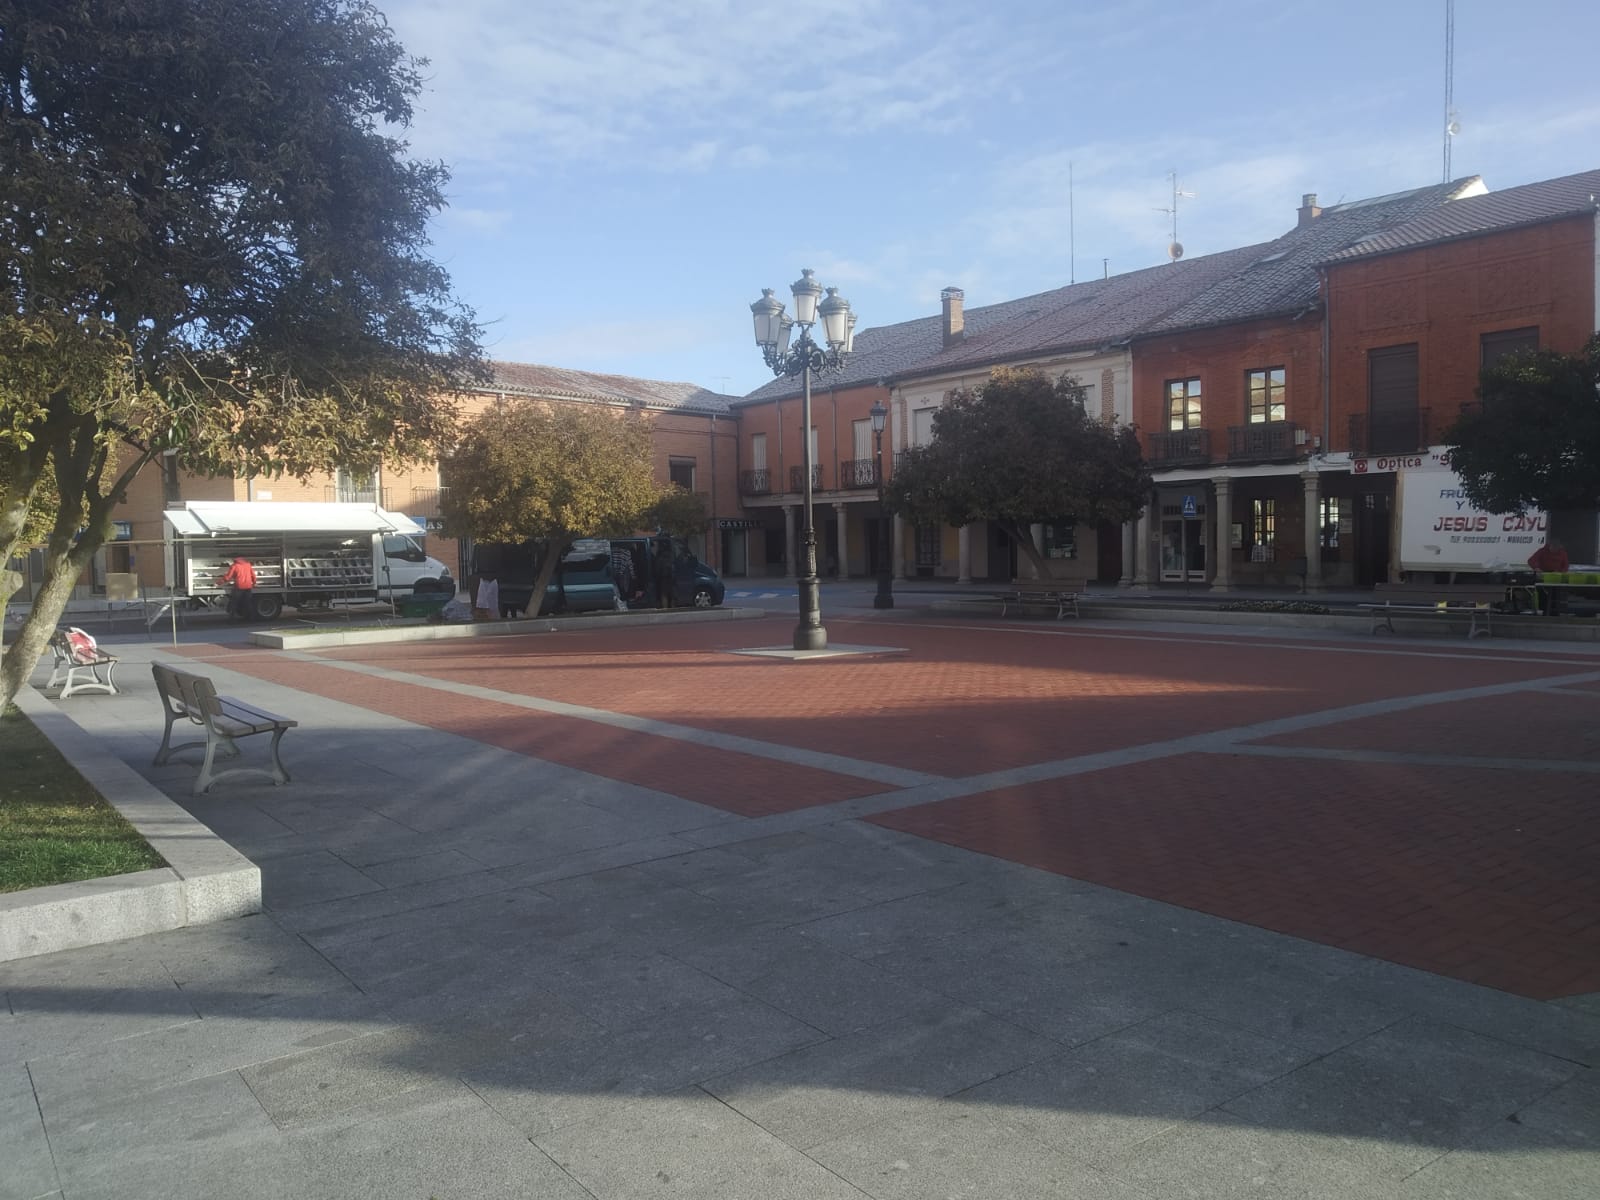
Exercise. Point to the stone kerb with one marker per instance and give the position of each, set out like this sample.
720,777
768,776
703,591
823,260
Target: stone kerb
205,878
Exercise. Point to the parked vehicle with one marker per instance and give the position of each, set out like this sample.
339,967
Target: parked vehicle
304,555
585,579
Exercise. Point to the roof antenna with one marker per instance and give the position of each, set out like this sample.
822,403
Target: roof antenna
1175,249
1072,239
1452,124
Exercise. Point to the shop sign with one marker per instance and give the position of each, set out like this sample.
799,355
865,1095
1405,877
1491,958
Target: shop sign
432,524
1388,464
737,523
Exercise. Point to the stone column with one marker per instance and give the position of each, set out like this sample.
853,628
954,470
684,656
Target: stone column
1313,489
841,520
1130,539
964,554
790,553
1222,541
1141,545
899,548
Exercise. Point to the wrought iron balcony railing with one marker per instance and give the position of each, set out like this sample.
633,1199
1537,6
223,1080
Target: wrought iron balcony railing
1180,448
425,501
347,495
1389,433
797,478
1266,441
858,473
756,482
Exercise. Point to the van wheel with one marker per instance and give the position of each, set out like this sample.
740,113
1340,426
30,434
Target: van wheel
702,598
266,608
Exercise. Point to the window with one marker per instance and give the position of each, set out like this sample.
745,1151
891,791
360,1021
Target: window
758,451
1091,392
1492,347
922,426
1265,392
928,539
358,486
1060,539
1183,404
681,472
1334,512
1263,522
861,433
1392,391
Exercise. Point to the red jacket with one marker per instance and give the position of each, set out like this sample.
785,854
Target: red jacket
241,574
1547,559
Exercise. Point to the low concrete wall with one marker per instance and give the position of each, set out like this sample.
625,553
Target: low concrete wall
205,879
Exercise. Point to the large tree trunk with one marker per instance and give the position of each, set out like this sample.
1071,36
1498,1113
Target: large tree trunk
549,556
21,655
1022,535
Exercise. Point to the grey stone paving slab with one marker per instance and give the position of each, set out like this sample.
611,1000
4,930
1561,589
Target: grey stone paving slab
309,877
1569,1114
329,916
822,987
1509,1162
28,1169
70,1082
881,928
55,1019
200,1139
688,1145
403,872
540,867
242,964
1095,1101
1309,1011
817,1093
1220,1156
619,989
595,1074
962,1150
1413,1091
435,1144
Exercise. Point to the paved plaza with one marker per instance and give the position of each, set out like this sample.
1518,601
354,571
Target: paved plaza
1021,909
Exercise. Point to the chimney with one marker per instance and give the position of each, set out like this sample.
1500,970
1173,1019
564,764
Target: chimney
1308,210
954,322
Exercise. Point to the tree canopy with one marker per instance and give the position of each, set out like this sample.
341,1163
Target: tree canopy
1020,449
212,241
529,470
1533,439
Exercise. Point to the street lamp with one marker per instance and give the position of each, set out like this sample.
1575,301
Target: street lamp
885,596
772,335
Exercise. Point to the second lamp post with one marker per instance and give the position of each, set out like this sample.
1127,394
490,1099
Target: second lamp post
805,359
885,596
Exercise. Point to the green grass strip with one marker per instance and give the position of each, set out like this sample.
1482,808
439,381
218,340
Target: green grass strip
54,827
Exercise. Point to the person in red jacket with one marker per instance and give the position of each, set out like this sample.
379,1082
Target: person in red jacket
243,577
1550,557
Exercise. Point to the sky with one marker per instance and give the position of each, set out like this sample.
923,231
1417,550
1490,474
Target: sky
627,175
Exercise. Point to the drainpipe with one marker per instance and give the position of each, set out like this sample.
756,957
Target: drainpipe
714,540
1327,399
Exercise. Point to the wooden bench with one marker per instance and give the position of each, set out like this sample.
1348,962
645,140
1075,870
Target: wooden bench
1039,598
185,696
1477,604
75,675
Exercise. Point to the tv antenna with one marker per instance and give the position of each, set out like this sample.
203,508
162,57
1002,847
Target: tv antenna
1452,122
1175,247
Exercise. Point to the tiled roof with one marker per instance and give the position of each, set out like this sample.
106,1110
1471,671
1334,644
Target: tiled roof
529,379
1283,278
1472,215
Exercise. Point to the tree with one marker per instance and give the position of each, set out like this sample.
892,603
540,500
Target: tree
1533,439
1019,450
677,511
211,242
526,470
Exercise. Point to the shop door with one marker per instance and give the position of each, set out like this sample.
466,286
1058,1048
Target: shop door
734,543
1373,516
1002,556
1183,546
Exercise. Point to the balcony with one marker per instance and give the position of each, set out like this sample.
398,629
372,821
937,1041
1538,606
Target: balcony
425,501
858,473
349,495
797,478
1388,433
755,483
1266,441
1180,448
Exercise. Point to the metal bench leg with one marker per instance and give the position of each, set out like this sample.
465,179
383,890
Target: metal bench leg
166,739
203,782
279,775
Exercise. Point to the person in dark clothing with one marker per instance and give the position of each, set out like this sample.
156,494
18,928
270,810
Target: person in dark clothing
663,574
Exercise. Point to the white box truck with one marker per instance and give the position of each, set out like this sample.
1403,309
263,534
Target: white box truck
305,555
1440,530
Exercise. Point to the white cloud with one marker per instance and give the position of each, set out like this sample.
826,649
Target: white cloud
480,220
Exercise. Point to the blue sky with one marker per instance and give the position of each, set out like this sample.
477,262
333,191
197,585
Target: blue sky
628,174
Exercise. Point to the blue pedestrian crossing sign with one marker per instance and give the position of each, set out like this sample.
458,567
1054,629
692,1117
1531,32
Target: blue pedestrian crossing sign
1189,510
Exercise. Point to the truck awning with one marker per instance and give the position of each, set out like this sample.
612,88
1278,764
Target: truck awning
208,518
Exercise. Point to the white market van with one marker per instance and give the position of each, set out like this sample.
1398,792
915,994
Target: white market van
304,555
1440,530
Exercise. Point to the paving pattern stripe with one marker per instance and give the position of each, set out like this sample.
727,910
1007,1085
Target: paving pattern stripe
672,766
1411,759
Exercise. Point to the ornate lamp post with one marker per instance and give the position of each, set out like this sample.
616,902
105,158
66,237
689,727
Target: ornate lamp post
885,596
772,335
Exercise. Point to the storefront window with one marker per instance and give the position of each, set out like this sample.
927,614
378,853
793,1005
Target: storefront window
1060,539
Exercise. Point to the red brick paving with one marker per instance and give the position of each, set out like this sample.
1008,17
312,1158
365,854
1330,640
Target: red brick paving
1552,726
962,702
1480,874
1473,874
